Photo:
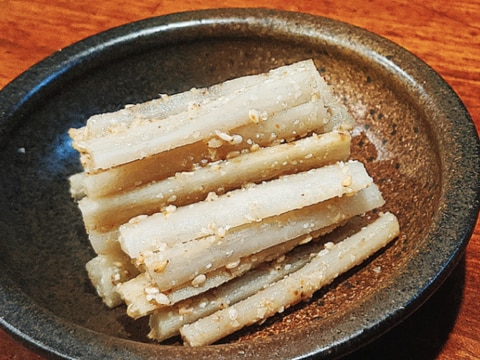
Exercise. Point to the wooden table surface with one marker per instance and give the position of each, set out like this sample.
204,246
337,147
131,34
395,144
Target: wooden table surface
445,34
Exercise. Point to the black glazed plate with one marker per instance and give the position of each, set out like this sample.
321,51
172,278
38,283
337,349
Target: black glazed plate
413,133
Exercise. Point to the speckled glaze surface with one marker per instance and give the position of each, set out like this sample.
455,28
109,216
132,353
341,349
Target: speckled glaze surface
413,133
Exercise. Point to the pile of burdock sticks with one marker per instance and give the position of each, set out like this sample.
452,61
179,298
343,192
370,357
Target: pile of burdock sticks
207,208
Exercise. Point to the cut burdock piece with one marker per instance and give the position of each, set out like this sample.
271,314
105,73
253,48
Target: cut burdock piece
237,207
320,271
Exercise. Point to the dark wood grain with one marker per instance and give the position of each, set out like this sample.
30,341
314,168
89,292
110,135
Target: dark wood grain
445,34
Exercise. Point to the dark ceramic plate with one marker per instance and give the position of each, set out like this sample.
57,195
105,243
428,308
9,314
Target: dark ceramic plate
413,132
